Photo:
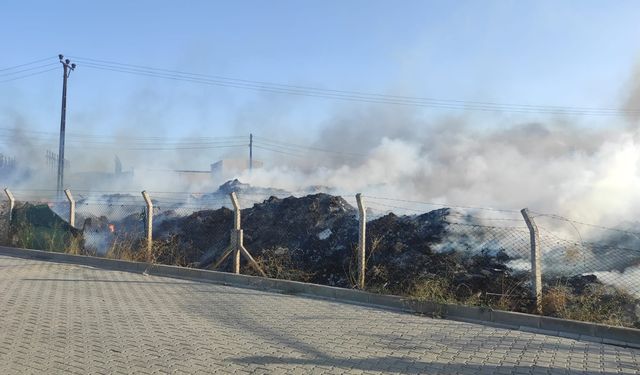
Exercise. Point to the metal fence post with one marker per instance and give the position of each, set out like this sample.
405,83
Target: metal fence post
148,224
12,203
236,245
362,238
72,208
237,233
536,268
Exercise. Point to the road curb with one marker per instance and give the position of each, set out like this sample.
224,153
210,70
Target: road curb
626,337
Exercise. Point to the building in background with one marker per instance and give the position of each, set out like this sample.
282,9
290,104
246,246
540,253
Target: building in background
228,169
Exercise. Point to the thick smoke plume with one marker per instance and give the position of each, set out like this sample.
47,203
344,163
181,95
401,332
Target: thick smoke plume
555,167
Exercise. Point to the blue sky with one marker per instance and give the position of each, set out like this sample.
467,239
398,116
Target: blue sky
526,52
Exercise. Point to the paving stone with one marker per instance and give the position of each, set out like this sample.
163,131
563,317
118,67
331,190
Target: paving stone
72,319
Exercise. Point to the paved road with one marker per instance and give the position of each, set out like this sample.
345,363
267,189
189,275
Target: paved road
61,318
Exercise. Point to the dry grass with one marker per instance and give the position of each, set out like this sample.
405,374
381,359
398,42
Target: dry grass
436,289
352,272
277,263
126,247
597,303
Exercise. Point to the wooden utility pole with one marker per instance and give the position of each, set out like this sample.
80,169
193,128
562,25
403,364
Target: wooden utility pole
67,68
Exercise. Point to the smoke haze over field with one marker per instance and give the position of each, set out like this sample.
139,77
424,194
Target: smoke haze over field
557,163
557,166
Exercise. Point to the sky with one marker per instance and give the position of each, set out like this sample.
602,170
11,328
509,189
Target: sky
540,53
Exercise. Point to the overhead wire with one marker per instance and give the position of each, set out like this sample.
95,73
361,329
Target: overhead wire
327,93
27,69
299,155
343,94
27,75
87,135
296,147
28,63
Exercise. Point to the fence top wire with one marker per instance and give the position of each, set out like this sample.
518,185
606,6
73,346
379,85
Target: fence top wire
106,204
196,200
547,234
441,204
573,221
453,214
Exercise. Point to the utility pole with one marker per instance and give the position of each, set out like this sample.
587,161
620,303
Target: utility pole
68,67
250,152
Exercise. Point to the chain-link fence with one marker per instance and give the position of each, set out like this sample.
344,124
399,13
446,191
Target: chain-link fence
463,255
590,272
467,255
190,230
112,228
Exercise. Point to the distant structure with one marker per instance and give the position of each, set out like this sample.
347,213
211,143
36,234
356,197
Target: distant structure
89,180
51,160
7,163
118,168
226,169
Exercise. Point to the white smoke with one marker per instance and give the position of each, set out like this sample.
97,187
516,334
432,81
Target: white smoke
561,168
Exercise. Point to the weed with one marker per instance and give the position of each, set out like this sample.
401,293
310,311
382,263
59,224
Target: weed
277,263
127,247
437,289
597,303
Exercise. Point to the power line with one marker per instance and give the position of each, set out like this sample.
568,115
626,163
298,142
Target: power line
27,75
128,143
173,148
292,146
331,93
278,151
347,95
28,69
102,136
29,63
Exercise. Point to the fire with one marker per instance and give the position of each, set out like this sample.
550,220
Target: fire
112,228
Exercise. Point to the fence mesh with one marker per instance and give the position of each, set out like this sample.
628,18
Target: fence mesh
590,272
468,255
112,229
191,230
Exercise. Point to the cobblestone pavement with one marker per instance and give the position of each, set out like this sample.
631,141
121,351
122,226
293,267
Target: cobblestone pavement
63,318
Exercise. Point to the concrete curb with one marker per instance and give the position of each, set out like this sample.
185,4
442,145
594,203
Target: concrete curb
627,337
